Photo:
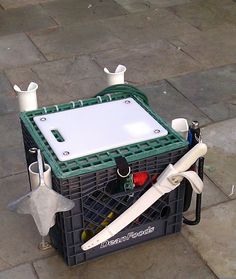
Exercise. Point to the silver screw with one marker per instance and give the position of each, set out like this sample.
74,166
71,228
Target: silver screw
42,118
65,153
175,180
127,102
156,131
33,150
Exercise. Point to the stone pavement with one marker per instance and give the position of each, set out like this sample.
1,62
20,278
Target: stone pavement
182,54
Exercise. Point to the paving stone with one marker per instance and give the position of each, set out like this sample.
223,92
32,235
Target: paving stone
149,260
212,48
62,81
19,272
68,11
17,50
12,160
10,130
8,102
147,62
3,265
230,9
24,19
213,91
5,85
211,195
19,237
9,4
148,27
134,6
170,103
214,238
203,15
221,156
74,39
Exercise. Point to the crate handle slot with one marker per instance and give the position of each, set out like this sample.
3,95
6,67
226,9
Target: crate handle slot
57,135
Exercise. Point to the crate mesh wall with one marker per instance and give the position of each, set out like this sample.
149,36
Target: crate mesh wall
93,204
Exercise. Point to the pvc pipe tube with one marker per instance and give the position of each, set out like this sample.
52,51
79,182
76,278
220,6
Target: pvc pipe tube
27,99
180,125
34,175
34,178
117,77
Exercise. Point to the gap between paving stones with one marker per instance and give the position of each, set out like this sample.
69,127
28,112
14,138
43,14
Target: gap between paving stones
39,50
199,255
186,53
192,245
216,184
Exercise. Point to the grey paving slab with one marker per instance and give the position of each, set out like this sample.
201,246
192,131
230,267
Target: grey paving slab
17,50
3,265
9,4
214,238
203,15
12,160
170,103
148,62
149,27
8,102
230,9
148,260
134,6
24,19
19,272
62,81
5,85
10,130
69,11
214,47
211,195
221,157
213,91
19,237
74,39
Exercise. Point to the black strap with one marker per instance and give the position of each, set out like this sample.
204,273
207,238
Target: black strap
123,169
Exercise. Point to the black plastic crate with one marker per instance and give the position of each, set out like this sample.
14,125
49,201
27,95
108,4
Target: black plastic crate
86,181
93,204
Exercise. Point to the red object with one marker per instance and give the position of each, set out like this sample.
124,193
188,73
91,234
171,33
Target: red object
140,178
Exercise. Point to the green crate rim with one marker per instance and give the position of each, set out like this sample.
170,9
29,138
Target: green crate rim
105,159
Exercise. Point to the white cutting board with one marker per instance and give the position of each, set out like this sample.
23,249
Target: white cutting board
96,128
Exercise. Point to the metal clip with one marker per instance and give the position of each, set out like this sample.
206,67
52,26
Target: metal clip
73,104
124,176
45,110
99,99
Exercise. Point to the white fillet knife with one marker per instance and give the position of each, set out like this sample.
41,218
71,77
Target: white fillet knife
169,179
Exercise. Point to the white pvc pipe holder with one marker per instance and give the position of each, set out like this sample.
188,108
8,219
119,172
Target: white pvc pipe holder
180,125
34,178
27,99
118,77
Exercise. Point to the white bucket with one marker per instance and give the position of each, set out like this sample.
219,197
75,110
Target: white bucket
180,125
118,77
27,99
